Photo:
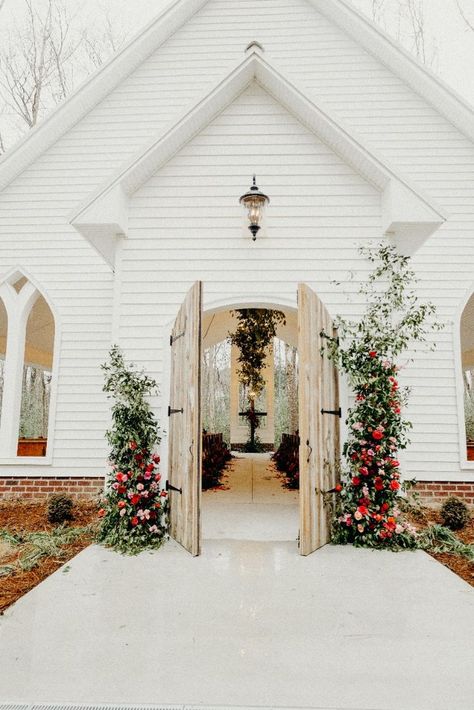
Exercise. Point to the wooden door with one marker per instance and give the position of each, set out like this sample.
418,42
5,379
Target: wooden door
319,416
184,425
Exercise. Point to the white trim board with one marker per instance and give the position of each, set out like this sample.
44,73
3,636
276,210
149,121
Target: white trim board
112,73
407,214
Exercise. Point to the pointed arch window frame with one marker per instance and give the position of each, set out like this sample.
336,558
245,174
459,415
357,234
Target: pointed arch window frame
18,307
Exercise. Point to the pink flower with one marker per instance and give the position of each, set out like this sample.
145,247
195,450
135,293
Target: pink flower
140,486
358,426
122,512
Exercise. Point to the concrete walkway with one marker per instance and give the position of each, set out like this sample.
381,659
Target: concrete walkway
247,624
253,504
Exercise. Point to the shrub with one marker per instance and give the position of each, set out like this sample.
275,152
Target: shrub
286,460
134,516
454,513
215,457
60,508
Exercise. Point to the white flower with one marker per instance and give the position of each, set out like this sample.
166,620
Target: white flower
140,486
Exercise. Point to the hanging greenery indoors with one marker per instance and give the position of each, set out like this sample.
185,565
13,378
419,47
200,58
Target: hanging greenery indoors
368,351
253,336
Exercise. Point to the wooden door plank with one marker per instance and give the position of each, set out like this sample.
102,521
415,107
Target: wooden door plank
184,469
319,450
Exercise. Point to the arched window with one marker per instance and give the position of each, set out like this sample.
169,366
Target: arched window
467,359
3,345
27,368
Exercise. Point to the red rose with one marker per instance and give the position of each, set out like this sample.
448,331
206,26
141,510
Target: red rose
384,507
158,477
377,435
134,521
356,481
135,499
119,476
121,489
121,504
338,488
163,494
101,513
373,353
363,510
394,485
156,459
133,445
378,483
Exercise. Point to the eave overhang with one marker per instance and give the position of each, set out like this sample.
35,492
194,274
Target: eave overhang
408,215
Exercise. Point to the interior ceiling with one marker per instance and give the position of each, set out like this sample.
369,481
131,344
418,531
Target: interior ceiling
216,327
39,331
467,326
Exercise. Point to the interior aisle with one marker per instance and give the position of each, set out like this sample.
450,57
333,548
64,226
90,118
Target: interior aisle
253,506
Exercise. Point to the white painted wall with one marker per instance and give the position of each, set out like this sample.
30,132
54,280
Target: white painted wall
320,211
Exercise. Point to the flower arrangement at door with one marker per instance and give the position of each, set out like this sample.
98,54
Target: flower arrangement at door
134,515
368,352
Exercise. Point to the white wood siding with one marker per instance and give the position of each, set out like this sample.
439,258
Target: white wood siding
335,209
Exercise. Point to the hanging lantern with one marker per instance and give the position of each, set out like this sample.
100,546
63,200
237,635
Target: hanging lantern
254,200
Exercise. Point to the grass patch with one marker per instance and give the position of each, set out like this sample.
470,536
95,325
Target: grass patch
34,547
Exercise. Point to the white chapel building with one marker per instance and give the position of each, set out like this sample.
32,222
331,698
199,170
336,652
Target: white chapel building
126,199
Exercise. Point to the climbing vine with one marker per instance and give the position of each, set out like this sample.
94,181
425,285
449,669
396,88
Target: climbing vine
367,351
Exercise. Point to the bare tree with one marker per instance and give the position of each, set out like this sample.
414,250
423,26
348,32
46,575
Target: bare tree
463,12
101,44
378,11
34,69
41,59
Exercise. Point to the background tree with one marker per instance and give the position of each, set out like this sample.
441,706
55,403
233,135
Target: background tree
466,10
43,57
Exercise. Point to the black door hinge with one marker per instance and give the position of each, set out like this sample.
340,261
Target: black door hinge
174,338
170,487
336,412
175,411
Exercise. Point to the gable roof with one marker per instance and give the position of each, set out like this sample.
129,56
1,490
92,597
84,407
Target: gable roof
121,65
112,73
407,213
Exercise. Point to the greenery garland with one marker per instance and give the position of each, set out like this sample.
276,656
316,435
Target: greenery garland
134,516
254,334
367,351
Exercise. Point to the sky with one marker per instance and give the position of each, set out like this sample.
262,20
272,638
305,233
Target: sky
444,28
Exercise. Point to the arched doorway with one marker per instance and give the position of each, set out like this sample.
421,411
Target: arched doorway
246,497
319,415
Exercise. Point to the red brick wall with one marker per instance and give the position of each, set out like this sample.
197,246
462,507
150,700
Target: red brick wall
38,488
430,492
435,492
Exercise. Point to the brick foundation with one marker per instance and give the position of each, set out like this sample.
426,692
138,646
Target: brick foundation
433,493
40,488
430,492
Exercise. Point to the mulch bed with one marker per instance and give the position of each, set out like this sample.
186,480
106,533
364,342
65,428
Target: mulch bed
32,517
461,566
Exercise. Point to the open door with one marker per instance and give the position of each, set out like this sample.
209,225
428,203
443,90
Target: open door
184,458
319,416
